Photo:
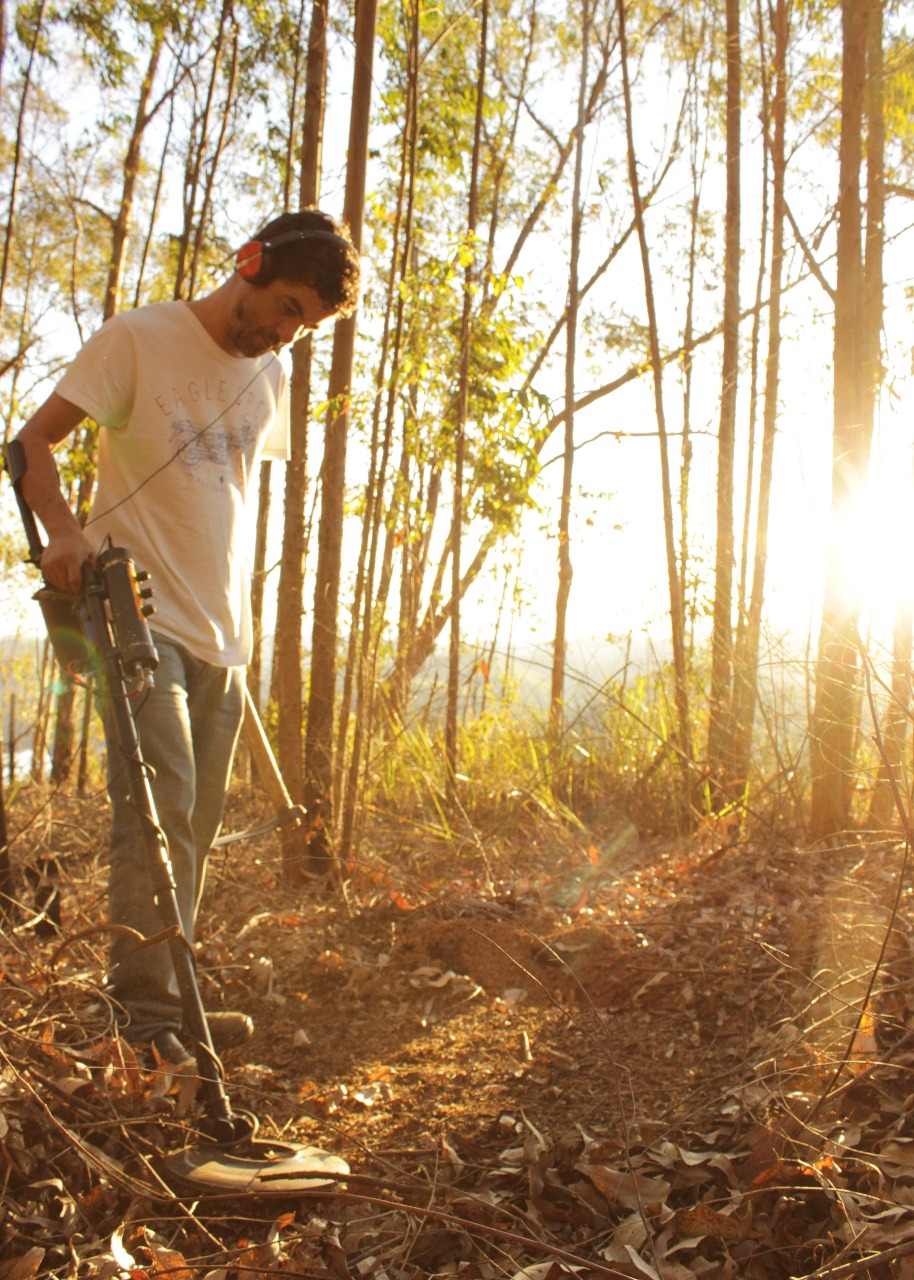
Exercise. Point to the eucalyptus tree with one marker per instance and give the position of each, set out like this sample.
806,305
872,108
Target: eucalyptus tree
565,570
462,407
319,736
287,652
834,712
684,730
204,78
887,78
372,580
4,31
35,37
699,61
745,673
722,634
285,56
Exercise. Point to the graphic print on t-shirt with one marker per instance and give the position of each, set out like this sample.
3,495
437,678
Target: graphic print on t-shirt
207,454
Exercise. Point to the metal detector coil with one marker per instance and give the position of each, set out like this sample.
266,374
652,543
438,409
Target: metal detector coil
261,1168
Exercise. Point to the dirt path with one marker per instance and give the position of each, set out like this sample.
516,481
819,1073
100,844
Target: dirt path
606,1045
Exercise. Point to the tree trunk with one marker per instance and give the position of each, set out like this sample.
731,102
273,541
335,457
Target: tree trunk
361,665
42,713
289,168
676,610
193,168
8,238
157,192
895,727
744,584
563,590
12,736
121,225
319,737
82,772
745,682
64,747
213,164
463,407
722,636
895,732
287,653
696,165
831,765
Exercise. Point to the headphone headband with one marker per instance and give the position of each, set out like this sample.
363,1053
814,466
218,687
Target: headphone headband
288,236
252,261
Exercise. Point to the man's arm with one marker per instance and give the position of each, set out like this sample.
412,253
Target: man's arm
68,549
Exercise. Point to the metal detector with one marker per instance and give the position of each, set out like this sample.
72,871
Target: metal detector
104,629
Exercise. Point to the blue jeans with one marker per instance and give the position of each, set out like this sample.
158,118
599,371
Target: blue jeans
188,727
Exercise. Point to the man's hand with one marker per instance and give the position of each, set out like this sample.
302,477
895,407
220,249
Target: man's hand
63,558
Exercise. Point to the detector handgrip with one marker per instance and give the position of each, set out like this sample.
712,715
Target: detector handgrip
14,454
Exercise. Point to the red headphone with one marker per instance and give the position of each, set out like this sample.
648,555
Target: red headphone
253,260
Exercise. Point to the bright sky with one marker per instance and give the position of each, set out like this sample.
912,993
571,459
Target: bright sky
620,580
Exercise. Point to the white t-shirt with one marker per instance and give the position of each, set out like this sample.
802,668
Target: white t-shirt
185,425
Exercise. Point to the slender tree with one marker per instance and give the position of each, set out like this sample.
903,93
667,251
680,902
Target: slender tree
120,224
721,639
745,682
563,591
18,144
211,176
287,654
676,603
319,736
4,22
463,405
895,732
194,166
765,114
832,729
698,154
364,641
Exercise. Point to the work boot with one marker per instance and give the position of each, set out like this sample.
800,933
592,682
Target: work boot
229,1029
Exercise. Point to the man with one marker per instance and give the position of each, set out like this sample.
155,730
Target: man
189,396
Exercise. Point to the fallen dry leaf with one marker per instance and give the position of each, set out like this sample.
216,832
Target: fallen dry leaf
702,1220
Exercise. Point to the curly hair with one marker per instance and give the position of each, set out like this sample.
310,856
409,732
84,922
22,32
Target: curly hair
310,248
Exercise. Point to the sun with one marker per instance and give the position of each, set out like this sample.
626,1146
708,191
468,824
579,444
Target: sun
873,535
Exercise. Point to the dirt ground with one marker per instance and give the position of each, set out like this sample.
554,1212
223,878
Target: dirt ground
576,1052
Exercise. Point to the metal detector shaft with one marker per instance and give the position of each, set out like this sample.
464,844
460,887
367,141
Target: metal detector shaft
161,875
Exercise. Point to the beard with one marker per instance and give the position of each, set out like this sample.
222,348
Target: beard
250,338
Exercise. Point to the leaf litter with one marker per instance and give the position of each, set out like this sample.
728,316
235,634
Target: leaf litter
703,1069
